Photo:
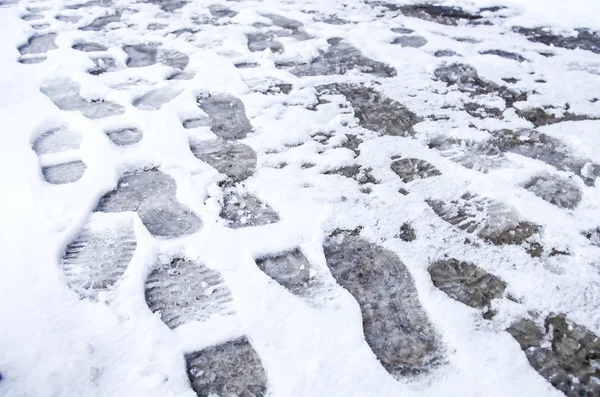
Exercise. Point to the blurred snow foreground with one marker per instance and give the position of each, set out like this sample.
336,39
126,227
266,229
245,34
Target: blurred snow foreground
308,198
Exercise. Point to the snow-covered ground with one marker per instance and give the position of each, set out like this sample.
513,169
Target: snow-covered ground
299,198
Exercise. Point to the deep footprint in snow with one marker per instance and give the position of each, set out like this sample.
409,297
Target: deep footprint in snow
374,110
291,28
539,146
410,41
341,58
471,154
57,140
141,55
563,352
545,116
151,194
505,54
290,269
562,192
65,94
183,291
98,256
89,47
155,99
234,159
124,136
60,174
488,219
244,210
227,116
264,41
410,169
102,65
466,283
39,44
219,11
584,39
395,325
356,172
232,368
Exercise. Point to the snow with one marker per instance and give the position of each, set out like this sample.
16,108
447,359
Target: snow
56,343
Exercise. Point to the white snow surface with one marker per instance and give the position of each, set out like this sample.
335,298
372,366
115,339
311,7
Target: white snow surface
53,343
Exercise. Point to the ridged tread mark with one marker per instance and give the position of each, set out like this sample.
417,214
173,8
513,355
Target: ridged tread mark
410,169
227,116
395,325
98,257
57,140
232,368
184,291
289,269
234,159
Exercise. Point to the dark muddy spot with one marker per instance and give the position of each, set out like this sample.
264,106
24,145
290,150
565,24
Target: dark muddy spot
230,369
373,110
152,195
407,233
233,159
466,282
89,47
39,44
584,39
540,117
246,65
290,269
410,41
554,189
410,169
466,79
60,174
395,325
102,65
183,291
227,116
563,352
445,53
490,220
505,54
535,145
154,100
57,140
341,58
594,236
264,41
244,210
439,14
476,155
402,30
125,136
98,257
219,11
102,22
168,5
64,94
356,172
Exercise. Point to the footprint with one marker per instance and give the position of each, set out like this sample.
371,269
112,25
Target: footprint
65,95
152,195
183,291
505,54
227,116
395,325
410,41
410,169
102,22
488,219
89,47
99,256
245,210
219,11
563,352
340,58
60,174
557,190
466,282
374,111
155,99
124,136
141,55
291,270
229,369
102,65
475,155
57,140
39,44
234,159
356,172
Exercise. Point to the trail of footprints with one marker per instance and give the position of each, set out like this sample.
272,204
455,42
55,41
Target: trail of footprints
395,325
